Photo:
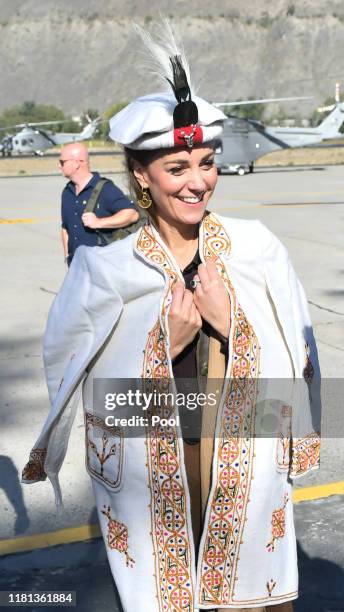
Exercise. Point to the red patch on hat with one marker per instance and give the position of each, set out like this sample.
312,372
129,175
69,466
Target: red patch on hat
188,136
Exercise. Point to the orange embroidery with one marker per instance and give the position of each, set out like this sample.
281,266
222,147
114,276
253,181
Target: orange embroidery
34,469
170,528
236,443
277,525
305,454
117,536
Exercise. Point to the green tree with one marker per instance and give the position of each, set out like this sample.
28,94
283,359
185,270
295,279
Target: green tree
30,112
246,111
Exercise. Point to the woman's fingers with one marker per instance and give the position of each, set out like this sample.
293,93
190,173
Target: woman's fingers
204,276
197,316
212,270
177,297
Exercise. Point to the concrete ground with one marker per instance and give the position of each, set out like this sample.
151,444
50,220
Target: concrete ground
304,207
83,567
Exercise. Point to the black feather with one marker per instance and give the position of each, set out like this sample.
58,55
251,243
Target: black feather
180,85
186,112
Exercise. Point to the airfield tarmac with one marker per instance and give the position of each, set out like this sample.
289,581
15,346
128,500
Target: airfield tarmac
304,207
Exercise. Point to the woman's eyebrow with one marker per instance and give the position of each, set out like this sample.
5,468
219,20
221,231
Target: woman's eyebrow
212,154
176,161
185,161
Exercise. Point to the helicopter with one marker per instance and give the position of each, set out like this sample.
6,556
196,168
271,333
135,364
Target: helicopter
245,140
33,139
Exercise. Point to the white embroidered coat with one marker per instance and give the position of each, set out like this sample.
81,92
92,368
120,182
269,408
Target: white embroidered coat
111,317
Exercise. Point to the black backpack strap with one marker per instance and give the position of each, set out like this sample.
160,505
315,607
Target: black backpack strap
93,199
108,236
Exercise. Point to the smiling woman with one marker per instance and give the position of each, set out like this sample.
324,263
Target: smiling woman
195,507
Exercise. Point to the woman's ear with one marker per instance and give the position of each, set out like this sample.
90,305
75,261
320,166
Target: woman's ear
140,175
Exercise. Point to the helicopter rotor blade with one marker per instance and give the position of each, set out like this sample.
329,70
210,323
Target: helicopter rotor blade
34,124
261,101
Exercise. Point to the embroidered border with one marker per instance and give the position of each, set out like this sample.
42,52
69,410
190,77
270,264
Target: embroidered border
236,444
170,529
305,454
33,471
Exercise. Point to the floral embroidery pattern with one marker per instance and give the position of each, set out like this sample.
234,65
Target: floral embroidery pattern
117,536
104,450
277,525
305,454
170,529
34,469
236,443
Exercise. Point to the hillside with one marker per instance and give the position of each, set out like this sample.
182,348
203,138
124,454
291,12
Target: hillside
83,53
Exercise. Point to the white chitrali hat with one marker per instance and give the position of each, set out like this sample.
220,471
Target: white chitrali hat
165,120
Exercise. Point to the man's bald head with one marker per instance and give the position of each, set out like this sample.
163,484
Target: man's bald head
74,161
75,150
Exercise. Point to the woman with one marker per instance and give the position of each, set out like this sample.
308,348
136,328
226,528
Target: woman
189,524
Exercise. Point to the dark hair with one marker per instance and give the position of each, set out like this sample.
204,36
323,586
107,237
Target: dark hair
142,157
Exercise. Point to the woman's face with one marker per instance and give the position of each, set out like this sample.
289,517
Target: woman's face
181,182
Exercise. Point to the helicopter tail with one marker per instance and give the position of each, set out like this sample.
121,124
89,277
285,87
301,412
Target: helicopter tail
89,129
331,125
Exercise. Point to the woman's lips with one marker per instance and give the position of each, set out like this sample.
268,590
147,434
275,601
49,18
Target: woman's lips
191,200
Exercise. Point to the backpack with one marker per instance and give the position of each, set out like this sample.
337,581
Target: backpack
108,236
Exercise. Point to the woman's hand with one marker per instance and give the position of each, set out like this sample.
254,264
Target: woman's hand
211,298
184,320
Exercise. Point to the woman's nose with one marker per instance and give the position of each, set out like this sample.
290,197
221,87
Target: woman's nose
196,181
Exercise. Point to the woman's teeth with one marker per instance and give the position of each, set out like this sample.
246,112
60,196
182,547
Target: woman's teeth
191,200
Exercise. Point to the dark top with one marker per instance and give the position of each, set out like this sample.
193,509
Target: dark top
185,364
185,367
111,200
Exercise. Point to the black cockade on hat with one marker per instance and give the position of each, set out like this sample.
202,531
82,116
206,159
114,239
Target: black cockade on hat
186,112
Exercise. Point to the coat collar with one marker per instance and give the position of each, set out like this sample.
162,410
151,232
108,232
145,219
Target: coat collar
214,243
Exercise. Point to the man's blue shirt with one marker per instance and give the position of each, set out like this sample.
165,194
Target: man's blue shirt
111,200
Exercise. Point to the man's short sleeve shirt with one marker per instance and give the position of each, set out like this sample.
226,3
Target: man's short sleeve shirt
111,200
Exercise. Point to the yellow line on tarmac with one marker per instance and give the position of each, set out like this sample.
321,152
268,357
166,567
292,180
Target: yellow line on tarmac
87,532
52,538
318,491
17,221
34,220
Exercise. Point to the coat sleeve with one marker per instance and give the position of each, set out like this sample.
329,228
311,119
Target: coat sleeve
68,325
292,309
67,331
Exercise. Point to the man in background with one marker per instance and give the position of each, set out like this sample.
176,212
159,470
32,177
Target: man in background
113,209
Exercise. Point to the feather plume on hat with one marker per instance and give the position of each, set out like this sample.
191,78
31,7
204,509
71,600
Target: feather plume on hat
163,120
159,55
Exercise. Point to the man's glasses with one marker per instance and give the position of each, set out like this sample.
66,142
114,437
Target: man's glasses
63,161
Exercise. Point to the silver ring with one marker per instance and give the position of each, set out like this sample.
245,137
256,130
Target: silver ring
194,283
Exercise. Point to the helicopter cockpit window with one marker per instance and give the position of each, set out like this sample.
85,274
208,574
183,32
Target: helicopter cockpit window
31,141
24,141
16,142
